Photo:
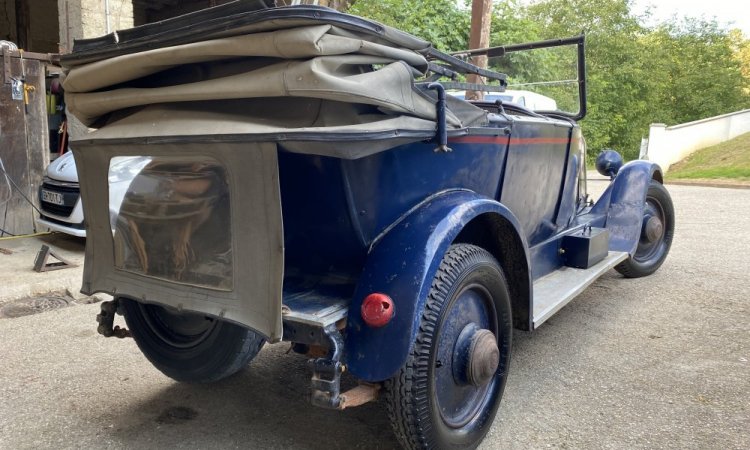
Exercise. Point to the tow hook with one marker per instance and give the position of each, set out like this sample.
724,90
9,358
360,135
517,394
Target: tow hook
106,319
326,378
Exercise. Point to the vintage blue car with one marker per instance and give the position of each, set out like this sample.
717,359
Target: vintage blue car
309,180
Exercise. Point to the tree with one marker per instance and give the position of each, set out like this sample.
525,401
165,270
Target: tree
339,5
442,22
741,51
618,78
704,77
677,72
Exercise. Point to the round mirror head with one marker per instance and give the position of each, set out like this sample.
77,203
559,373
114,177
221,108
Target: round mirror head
608,162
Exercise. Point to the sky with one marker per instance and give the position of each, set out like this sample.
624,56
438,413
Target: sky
731,13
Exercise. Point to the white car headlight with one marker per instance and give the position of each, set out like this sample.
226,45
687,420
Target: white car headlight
125,168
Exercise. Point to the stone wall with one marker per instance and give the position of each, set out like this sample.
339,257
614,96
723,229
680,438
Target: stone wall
82,19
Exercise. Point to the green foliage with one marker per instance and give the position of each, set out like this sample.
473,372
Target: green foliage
741,50
677,72
618,83
698,66
442,22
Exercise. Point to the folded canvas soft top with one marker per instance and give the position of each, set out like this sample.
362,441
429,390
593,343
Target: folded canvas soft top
231,19
206,71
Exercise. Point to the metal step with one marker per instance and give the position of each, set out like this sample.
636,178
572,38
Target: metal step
314,309
553,291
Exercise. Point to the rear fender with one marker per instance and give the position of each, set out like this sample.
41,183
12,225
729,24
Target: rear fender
624,200
402,264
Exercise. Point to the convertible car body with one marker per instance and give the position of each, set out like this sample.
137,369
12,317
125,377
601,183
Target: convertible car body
308,180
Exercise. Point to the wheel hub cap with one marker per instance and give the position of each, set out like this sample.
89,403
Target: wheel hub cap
652,228
482,357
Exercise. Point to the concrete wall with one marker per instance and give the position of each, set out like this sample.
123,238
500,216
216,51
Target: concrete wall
82,19
154,13
668,145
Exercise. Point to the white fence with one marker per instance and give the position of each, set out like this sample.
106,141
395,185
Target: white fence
668,145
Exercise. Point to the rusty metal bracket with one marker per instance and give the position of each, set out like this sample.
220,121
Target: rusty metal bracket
106,319
326,378
41,264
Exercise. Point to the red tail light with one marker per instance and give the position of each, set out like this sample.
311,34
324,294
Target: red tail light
377,310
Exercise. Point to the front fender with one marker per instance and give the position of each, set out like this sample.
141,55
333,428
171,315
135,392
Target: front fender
624,201
402,265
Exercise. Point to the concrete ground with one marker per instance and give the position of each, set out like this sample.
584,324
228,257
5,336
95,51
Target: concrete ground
657,362
17,255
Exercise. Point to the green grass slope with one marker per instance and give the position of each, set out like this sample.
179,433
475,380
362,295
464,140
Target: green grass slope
728,160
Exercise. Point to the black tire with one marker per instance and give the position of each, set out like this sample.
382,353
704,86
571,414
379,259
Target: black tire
430,409
190,347
652,250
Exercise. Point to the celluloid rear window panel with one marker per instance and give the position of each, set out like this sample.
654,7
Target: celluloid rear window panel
170,219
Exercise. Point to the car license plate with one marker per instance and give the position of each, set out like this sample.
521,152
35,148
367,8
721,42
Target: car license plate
52,197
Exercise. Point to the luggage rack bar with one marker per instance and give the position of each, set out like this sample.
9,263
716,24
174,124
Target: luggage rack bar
454,64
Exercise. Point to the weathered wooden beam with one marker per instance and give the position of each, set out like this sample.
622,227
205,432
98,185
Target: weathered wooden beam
481,20
23,24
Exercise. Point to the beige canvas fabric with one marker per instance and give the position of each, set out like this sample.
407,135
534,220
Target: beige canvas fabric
297,43
326,77
289,120
321,62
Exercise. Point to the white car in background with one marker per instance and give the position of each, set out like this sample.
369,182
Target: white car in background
527,99
60,195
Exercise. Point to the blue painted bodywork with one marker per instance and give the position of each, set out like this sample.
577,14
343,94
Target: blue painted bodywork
402,265
382,223
622,204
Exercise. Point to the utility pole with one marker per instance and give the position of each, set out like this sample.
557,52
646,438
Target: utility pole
481,19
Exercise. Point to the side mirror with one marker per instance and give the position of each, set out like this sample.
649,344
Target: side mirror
608,163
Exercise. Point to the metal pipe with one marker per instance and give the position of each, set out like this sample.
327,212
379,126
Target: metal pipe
106,16
503,49
442,131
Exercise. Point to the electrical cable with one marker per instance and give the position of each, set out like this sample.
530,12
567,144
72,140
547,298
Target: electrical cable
5,202
9,181
21,236
18,189
5,220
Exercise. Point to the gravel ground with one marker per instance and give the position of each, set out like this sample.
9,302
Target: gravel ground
658,362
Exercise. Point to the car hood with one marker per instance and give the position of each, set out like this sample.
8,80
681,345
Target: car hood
63,169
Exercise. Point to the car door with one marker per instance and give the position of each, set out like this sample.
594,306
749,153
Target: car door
534,171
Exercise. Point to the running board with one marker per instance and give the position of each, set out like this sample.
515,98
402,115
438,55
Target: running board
553,291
